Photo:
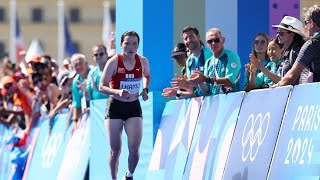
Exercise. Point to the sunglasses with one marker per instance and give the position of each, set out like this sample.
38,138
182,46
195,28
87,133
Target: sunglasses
215,40
8,85
262,42
99,54
281,33
307,21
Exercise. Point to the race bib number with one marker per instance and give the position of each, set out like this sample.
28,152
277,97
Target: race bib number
132,85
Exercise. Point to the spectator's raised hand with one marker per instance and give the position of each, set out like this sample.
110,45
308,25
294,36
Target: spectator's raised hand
254,60
82,85
179,82
169,92
247,67
253,68
196,78
93,85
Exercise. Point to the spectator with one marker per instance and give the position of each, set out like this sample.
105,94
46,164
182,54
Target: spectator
196,60
259,50
100,56
66,65
80,65
290,34
309,55
271,73
179,55
222,70
8,68
65,100
22,98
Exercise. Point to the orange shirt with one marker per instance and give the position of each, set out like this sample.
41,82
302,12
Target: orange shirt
22,101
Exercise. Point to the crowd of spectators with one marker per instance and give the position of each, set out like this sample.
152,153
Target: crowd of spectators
291,57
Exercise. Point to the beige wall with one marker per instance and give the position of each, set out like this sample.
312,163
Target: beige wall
87,33
188,13
306,4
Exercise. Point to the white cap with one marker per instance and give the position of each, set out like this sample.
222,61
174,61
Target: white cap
66,61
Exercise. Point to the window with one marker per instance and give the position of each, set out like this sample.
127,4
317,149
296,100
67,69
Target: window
2,50
2,14
37,15
74,15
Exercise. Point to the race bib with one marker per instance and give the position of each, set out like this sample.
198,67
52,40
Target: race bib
132,85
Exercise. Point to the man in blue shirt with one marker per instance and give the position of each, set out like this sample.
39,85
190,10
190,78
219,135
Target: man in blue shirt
222,70
80,66
100,56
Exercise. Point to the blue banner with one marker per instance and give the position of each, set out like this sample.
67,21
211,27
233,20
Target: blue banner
169,122
99,154
297,154
76,156
256,134
5,164
213,135
49,150
181,141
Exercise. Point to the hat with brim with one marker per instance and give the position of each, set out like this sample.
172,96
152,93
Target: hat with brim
292,24
173,54
179,49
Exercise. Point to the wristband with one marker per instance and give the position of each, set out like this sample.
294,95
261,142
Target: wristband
178,94
146,89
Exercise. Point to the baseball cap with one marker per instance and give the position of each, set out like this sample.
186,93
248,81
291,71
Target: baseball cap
179,49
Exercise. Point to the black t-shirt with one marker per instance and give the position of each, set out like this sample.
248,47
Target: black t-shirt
287,62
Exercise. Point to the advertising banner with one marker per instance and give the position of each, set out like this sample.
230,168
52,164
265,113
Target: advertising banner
256,133
49,150
212,138
297,154
76,156
170,121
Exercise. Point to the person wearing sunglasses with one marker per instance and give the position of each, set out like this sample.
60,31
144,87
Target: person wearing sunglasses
290,34
222,70
309,55
259,50
100,56
271,73
122,78
199,54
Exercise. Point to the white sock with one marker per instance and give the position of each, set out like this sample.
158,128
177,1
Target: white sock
129,174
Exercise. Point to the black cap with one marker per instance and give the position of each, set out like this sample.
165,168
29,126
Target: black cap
179,49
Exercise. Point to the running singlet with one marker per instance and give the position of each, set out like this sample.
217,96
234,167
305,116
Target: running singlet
125,79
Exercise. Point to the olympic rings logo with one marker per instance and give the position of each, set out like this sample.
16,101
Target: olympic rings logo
253,135
50,149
